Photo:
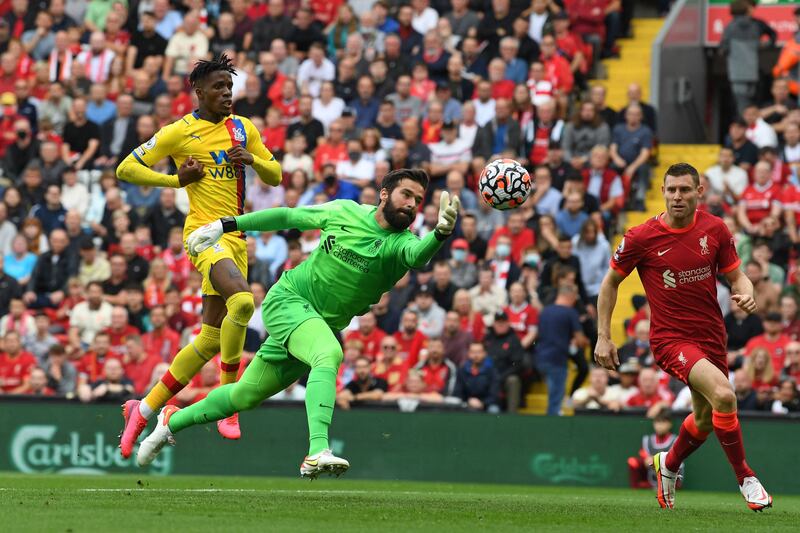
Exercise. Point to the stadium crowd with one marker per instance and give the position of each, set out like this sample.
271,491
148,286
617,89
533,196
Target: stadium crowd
97,294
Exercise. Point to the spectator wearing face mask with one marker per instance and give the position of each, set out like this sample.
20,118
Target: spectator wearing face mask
462,265
520,236
334,188
355,169
505,270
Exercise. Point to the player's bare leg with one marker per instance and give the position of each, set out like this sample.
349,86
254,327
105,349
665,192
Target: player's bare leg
231,311
709,381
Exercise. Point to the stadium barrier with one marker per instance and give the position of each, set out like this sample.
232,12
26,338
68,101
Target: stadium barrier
382,444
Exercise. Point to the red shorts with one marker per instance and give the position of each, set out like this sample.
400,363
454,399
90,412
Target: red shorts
677,358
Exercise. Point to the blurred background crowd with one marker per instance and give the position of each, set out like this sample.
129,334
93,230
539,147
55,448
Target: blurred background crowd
97,294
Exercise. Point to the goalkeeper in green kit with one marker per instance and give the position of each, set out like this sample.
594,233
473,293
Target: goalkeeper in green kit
363,251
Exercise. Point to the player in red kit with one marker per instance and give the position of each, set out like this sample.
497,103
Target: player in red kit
679,254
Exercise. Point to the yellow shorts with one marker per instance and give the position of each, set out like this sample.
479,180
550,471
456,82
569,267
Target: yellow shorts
229,246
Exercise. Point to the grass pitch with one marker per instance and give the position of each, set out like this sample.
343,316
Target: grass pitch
129,503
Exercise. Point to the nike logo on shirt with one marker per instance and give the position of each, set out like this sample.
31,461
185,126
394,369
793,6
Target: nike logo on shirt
662,252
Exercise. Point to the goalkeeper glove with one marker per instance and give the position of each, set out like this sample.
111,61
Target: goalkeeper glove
448,213
208,235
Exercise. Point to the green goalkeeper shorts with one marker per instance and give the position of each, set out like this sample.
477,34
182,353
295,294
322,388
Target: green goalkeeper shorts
283,312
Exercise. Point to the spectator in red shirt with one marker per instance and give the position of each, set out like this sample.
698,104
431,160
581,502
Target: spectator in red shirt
325,10
789,318
438,373
162,340
120,330
181,100
598,21
138,363
176,259
177,318
649,395
8,121
759,199
471,320
556,67
369,334
792,368
410,339
422,86
37,384
522,316
90,365
501,87
274,133
8,77
432,124
522,237
288,103
352,351
571,45
773,340
15,365
390,365
113,386
201,384
760,370
333,149
192,295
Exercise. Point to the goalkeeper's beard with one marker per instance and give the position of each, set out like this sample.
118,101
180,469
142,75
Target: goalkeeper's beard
399,219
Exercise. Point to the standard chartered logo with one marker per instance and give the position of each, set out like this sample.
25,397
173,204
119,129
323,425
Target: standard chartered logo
40,448
669,279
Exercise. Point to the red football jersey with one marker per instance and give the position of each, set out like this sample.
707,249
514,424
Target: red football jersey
119,338
523,320
790,200
678,269
15,370
371,342
140,372
776,349
758,201
164,344
639,399
409,349
435,377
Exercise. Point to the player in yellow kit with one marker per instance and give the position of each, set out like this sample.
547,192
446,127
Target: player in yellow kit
210,147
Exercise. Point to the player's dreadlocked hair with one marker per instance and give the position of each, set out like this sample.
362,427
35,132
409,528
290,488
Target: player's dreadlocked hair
204,68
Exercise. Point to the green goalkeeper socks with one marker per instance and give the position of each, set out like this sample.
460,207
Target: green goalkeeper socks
216,406
320,400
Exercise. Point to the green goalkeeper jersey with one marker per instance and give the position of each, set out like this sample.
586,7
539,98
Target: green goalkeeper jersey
356,261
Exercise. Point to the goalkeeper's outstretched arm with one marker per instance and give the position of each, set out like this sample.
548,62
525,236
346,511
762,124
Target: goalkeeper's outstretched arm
279,218
274,219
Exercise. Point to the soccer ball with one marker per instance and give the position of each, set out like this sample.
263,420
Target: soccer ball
504,184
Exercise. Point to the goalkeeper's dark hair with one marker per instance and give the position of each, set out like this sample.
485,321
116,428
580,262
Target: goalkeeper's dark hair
683,169
204,68
394,177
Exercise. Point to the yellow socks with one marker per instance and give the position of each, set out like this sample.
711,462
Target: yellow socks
188,362
234,327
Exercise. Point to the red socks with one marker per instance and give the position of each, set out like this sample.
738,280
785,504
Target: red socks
729,433
689,439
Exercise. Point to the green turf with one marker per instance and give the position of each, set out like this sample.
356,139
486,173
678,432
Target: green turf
129,503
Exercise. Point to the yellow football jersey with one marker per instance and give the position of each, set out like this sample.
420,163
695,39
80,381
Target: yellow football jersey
221,191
